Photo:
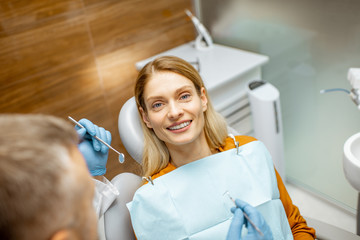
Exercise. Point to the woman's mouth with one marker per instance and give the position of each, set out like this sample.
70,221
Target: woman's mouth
180,126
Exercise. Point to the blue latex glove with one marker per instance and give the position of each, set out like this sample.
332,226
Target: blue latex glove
94,152
239,220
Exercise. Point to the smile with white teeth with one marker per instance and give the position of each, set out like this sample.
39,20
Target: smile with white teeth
182,125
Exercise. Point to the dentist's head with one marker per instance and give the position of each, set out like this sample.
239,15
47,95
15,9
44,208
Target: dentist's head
46,191
176,111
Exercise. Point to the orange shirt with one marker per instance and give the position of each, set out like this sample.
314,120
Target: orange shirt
297,223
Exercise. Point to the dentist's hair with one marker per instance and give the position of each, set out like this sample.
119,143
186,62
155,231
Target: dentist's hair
156,155
38,192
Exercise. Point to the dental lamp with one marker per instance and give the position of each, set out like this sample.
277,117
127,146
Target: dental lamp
203,40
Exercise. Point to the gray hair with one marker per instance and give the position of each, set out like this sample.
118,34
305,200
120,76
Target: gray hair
34,175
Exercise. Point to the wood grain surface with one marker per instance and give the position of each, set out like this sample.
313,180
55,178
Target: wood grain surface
77,57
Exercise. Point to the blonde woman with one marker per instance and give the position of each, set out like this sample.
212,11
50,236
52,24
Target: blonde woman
185,138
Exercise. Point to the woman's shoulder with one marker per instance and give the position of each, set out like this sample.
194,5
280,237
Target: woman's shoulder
242,139
164,171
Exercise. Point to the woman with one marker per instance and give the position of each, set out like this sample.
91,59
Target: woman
181,126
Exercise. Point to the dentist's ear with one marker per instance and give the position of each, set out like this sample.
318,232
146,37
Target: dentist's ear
63,235
204,99
145,117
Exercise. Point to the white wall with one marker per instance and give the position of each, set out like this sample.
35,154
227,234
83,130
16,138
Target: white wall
311,45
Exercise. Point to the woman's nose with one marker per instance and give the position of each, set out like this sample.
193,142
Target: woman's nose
175,110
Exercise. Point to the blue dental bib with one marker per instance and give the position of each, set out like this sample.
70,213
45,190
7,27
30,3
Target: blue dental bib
189,202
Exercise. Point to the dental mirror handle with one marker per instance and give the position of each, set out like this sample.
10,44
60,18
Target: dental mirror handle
121,155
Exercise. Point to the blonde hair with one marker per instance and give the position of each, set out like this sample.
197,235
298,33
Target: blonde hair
156,155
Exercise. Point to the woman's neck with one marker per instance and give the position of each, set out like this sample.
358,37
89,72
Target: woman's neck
181,155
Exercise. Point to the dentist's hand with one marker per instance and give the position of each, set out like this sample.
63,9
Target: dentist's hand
94,152
239,220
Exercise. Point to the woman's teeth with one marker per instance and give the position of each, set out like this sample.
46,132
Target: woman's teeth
182,125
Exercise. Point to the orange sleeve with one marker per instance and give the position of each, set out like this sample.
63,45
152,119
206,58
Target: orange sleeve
297,223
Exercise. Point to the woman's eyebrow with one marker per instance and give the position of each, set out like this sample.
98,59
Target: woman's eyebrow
187,87
153,98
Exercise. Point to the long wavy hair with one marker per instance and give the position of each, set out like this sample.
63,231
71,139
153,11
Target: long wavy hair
155,153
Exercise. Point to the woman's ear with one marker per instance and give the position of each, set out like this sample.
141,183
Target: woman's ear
203,98
145,117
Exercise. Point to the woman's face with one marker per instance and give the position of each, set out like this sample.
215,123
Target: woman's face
175,111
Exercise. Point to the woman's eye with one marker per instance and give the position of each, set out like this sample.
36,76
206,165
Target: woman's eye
185,96
156,105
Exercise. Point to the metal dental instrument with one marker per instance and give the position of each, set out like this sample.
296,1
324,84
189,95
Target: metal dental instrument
245,215
121,155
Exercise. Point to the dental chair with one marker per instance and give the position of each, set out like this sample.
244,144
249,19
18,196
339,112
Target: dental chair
117,222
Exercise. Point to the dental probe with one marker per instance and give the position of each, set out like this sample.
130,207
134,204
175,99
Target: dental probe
245,215
121,155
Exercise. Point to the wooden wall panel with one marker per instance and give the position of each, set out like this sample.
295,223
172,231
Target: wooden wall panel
77,57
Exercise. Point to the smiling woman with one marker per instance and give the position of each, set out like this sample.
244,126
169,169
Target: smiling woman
175,114
188,154
178,115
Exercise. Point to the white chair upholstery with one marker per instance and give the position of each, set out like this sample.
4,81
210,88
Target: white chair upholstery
117,223
130,130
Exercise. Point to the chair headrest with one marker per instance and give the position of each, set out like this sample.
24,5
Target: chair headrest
130,130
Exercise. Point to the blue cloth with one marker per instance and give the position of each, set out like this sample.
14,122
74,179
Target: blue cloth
189,202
